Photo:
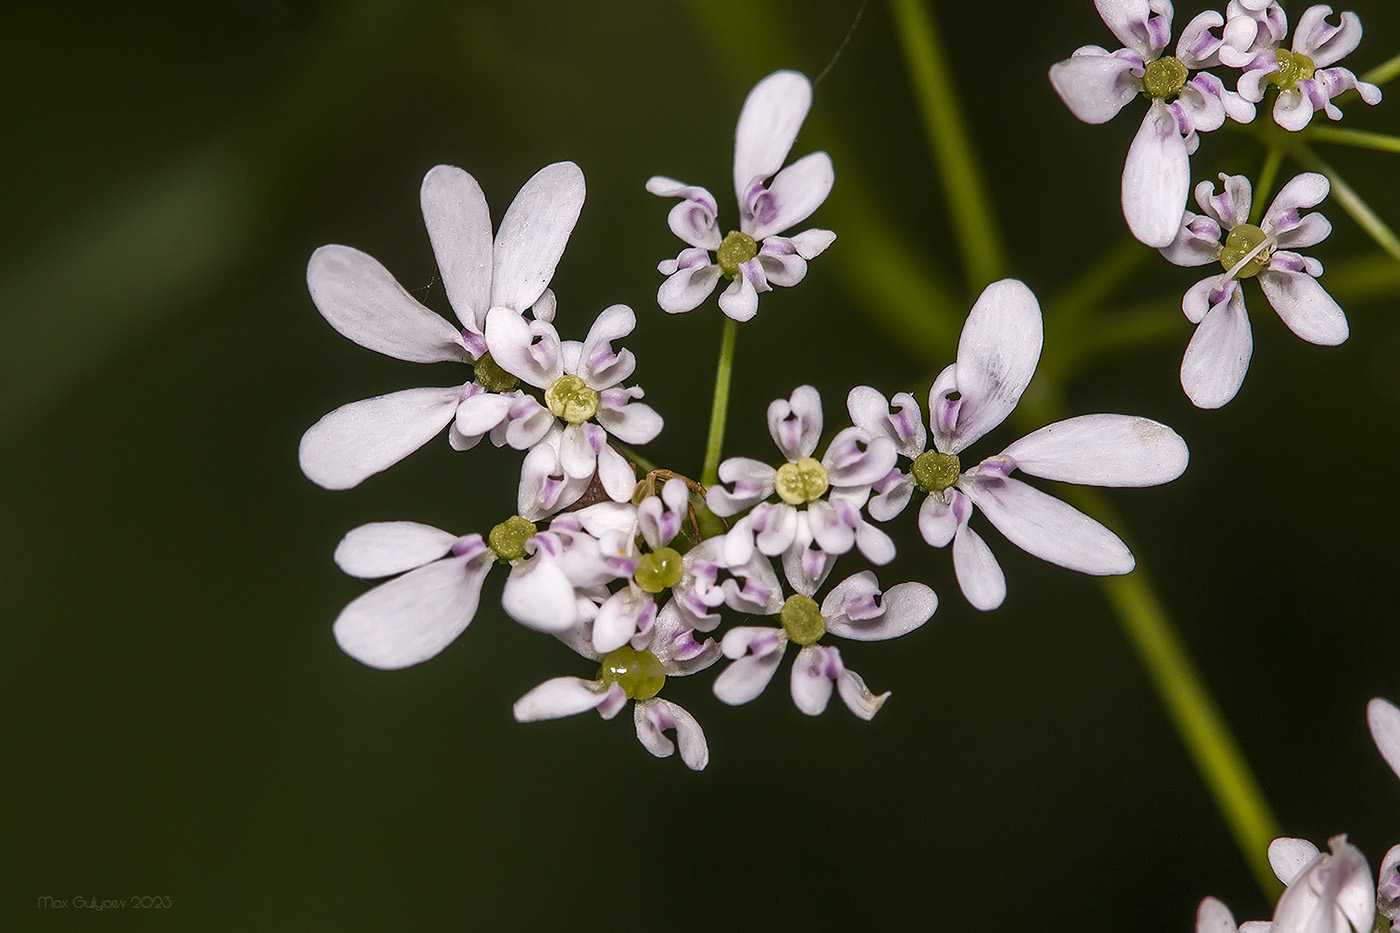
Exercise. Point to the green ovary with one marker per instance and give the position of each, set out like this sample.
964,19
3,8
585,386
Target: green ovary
491,377
1292,68
935,472
569,398
737,249
508,538
638,673
802,619
659,570
1239,243
1164,78
803,481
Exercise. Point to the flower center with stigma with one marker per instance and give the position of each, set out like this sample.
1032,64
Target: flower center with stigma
571,399
1165,77
801,482
491,377
659,570
802,620
638,673
737,249
1239,243
935,472
1292,68
508,538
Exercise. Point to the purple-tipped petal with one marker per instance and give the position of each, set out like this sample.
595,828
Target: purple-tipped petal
362,438
795,423
905,607
600,366
745,679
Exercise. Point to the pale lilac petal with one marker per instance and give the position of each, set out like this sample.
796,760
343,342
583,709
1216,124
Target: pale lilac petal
751,481
1145,26
693,219
740,300
1214,917
562,696
616,473
579,448
745,679
1302,191
1333,891
382,549
827,527
781,263
939,520
905,607
600,366
1384,720
795,423
358,297
854,458
997,355
812,243
538,595
1304,306
979,575
1197,48
794,195
459,226
1217,357
544,487
892,495
1288,857
1044,526
1207,293
1095,85
857,696
526,423
773,113
689,283
362,438
814,671
1197,242
657,716
1156,178
1201,105
1293,110
529,350
874,545
1388,887
1102,450
533,233
1321,41
483,411
774,528
618,618
628,421
413,617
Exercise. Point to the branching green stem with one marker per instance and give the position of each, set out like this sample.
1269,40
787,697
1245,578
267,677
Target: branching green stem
1267,174
719,408
1363,139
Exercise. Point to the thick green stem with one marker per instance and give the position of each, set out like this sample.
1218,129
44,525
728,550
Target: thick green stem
1352,203
719,409
970,208
1272,160
1363,139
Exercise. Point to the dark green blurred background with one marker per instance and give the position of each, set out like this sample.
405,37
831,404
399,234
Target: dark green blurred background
178,720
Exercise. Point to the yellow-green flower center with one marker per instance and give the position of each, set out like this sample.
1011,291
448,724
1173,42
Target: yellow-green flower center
802,619
1164,78
569,398
935,472
1239,243
803,481
508,538
491,377
659,570
1292,68
638,673
737,248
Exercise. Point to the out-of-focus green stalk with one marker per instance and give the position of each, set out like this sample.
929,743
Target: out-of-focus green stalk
1352,203
1095,285
1385,71
719,408
974,222
1267,174
1362,139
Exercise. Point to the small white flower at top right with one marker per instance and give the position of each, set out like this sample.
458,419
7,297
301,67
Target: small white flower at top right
1217,358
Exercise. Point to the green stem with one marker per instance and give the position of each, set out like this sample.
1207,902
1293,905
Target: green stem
1363,139
973,220
719,409
1267,174
1383,72
1084,296
1353,204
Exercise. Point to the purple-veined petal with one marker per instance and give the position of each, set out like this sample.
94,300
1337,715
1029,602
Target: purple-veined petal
1102,450
527,422
1230,207
1197,242
1288,857
752,482
1384,719
691,277
794,195
529,350
538,595
693,219
979,575
599,365
655,717
1045,526
1304,306
905,607
857,696
1302,191
1322,42
560,697
1217,357
412,618
1207,293
382,549
795,423
997,355
772,114
855,458
891,496
629,421
459,226
814,672
774,528
362,438
544,487
1156,178
533,233
1145,26
1198,48
782,265
358,297
745,678
1095,84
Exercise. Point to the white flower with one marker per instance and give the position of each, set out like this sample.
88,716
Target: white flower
363,301
1095,84
636,674
818,515
755,257
585,399
1217,358
1305,82
997,355
853,609
1328,892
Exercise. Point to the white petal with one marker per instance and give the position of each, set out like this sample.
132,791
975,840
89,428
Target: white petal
1102,450
689,284
481,412
795,423
656,716
559,697
1288,858
745,679
362,438
1217,357
979,575
751,480
1156,178
599,365
1214,917
631,422
459,226
382,549
1305,307
1134,24
533,234
1302,191
740,300
529,350
1384,720
906,606
538,595
1044,526
997,355
616,621
1095,85
773,113
616,474
413,617
795,194
814,671
857,696
359,298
